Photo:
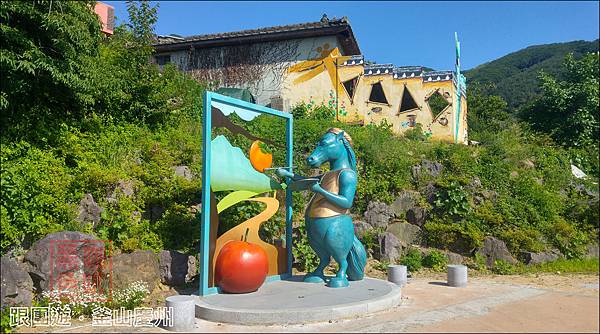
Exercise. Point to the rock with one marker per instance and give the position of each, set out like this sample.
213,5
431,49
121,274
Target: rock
378,214
494,249
527,163
390,248
431,168
541,257
176,268
361,227
124,187
89,211
17,286
74,246
454,258
577,172
416,216
475,183
195,209
408,234
406,200
430,192
592,251
136,266
184,172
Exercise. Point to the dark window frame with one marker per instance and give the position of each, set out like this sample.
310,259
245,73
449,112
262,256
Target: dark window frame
416,105
378,83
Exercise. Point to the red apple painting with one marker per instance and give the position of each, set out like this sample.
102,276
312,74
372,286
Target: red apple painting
241,267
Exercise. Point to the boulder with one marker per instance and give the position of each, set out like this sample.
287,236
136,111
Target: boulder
430,192
494,249
17,286
136,266
89,211
390,248
406,200
378,214
361,227
592,251
123,187
426,167
183,171
176,268
408,234
527,164
541,257
416,216
74,248
454,258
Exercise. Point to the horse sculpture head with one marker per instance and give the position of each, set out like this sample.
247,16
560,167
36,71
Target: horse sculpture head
335,145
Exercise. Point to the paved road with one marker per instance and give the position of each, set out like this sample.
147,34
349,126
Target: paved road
550,303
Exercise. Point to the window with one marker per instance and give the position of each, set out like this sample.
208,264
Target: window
377,94
408,102
163,59
437,103
350,87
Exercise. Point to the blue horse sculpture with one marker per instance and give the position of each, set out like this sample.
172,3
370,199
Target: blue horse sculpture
328,223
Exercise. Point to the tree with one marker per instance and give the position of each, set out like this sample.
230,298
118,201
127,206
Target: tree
486,113
43,47
568,109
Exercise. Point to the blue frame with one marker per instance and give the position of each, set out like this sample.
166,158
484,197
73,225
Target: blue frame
209,97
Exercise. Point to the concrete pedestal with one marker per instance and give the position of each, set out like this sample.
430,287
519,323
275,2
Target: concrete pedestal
183,313
292,301
457,275
397,274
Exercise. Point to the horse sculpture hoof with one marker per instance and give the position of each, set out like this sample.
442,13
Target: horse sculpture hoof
337,282
313,279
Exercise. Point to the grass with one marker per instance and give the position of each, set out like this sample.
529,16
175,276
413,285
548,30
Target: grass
582,266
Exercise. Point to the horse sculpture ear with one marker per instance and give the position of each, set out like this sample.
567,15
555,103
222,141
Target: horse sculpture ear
340,136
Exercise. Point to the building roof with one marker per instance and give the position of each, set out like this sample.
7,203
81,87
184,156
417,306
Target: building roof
325,27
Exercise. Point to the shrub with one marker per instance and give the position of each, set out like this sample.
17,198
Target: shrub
461,237
502,267
130,297
413,260
82,300
435,260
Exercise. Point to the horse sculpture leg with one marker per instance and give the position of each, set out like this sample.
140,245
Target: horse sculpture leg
338,242
316,235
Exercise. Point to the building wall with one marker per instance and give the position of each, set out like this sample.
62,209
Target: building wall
321,89
259,67
284,74
107,17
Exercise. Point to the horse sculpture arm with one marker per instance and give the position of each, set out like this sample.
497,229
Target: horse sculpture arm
347,190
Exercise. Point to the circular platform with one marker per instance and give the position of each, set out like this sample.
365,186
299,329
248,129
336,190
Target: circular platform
292,301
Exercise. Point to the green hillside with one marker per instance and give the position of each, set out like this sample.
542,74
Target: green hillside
514,76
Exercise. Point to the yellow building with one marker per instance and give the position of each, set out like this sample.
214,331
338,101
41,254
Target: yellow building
370,94
321,62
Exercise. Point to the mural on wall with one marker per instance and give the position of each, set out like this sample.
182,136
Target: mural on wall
257,67
327,61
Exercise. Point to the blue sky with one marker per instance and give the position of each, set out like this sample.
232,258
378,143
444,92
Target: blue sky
402,33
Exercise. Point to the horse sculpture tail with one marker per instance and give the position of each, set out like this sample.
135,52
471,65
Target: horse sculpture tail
357,259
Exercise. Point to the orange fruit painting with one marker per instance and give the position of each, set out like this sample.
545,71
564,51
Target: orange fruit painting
260,156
